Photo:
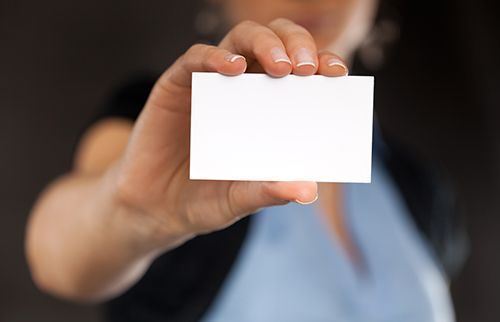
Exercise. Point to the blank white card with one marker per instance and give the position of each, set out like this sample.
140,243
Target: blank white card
294,128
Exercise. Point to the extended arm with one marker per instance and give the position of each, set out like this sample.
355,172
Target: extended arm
94,232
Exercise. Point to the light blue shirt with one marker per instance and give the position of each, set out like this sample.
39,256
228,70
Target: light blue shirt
290,267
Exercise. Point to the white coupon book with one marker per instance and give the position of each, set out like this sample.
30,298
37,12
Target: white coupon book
254,127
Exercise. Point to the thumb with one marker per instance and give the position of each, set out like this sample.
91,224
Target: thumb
248,197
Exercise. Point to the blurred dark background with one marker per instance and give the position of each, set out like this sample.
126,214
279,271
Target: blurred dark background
438,93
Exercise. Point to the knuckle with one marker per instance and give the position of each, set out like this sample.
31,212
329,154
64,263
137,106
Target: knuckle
210,51
232,205
263,37
200,49
298,36
254,31
209,57
126,192
248,27
302,35
188,56
280,21
193,48
247,24
198,52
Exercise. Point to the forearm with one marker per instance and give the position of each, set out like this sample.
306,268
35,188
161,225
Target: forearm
83,244
91,237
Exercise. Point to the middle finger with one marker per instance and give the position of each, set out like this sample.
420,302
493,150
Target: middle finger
299,44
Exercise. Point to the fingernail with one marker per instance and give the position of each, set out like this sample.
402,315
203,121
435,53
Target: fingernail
233,57
279,55
306,202
304,57
334,61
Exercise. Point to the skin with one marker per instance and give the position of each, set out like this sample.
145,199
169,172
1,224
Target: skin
94,232
338,26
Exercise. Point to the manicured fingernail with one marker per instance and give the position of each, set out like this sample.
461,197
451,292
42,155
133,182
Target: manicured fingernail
233,57
306,202
279,55
336,62
304,57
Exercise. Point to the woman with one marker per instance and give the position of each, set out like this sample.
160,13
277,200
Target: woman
354,255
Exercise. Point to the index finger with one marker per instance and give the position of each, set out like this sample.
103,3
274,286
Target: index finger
201,58
257,42
300,45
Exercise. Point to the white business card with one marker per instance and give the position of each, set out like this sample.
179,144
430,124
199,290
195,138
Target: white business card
254,127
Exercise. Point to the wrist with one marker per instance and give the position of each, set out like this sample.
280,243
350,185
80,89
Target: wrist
147,228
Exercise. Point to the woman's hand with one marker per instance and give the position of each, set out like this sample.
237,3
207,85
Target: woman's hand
153,175
93,234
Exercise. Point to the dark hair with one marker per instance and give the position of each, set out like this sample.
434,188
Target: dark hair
375,50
